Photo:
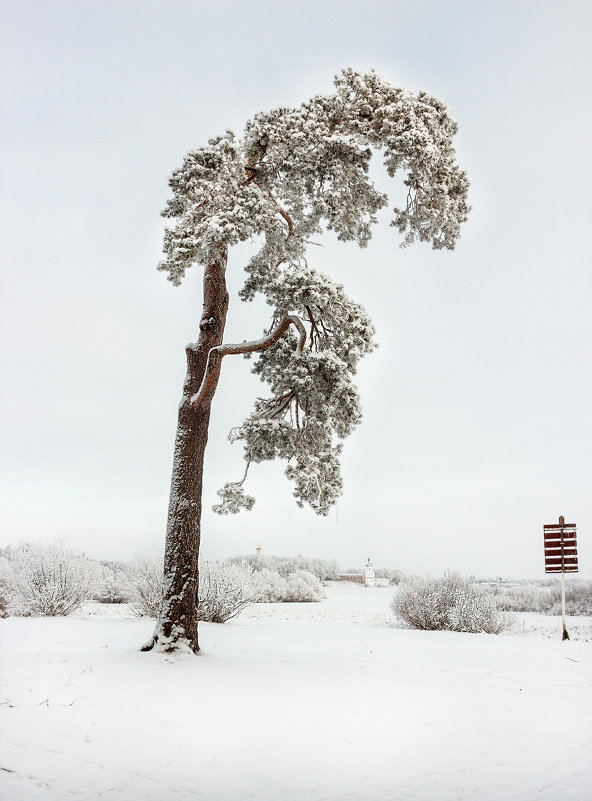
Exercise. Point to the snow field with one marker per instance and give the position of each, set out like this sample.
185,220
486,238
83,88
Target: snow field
323,701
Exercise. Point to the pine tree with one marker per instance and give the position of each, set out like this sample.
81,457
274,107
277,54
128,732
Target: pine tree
293,171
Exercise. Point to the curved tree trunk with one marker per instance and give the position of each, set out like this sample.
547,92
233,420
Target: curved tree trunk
177,625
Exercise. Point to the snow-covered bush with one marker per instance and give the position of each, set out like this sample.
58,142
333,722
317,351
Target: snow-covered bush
5,581
544,600
303,586
113,584
323,569
289,579
275,587
393,576
578,599
144,577
521,598
297,587
225,589
48,580
449,603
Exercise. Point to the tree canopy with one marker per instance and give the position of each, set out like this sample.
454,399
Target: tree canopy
293,172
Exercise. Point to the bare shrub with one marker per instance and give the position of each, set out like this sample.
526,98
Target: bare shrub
225,589
450,603
48,580
144,578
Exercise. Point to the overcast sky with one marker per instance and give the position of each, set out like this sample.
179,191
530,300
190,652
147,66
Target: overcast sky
477,403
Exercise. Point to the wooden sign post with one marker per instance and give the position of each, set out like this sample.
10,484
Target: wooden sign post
561,556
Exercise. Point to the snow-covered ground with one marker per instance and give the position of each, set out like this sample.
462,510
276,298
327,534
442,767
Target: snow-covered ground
312,702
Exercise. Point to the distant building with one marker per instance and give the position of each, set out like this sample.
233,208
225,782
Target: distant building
367,577
359,578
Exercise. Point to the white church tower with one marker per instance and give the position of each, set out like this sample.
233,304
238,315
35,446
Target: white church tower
370,582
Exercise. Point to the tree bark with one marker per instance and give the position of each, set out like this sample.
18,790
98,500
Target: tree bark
177,627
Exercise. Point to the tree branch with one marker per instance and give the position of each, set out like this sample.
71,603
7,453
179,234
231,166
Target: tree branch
212,372
268,340
282,211
251,171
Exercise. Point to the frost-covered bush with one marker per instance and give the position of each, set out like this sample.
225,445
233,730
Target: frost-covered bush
275,587
323,569
112,585
5,581
144,577
48,580
300,586
449,603
544,600
521,598
394,576
303,586
578,599
225,589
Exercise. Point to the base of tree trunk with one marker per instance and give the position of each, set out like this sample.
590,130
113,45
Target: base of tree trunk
168,645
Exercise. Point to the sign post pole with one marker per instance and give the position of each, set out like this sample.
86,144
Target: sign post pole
561,556
565,634
563,620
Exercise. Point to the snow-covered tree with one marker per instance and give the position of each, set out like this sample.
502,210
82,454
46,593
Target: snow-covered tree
292,172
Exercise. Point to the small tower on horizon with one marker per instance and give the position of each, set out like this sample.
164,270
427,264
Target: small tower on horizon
258,552
370,582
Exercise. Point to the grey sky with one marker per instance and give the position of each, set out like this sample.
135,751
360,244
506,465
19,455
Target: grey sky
477,404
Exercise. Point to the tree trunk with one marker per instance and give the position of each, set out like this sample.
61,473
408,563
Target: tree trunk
176,627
